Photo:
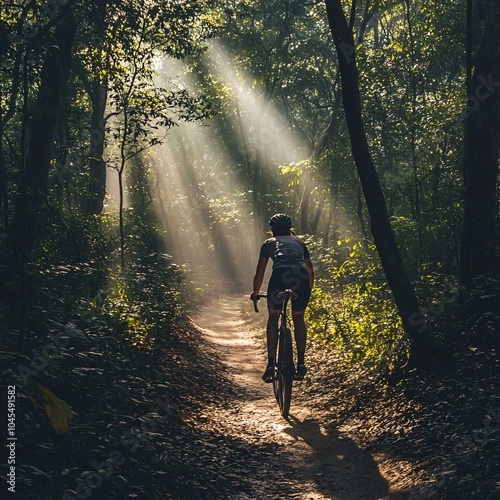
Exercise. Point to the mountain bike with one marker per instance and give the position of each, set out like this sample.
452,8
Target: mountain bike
284,369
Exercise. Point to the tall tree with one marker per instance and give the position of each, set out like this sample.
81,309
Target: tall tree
96,83
482,140
383,235
53,77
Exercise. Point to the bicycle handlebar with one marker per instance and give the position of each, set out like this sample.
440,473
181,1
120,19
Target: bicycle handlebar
254,299
285,294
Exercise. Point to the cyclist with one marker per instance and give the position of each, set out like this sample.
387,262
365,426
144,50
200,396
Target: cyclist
292,268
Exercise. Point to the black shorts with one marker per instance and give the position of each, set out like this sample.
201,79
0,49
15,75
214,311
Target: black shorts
297,279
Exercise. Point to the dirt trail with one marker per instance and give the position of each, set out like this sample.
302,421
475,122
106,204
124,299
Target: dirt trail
306,460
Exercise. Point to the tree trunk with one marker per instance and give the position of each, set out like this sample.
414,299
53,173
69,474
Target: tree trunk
120,217
402,290
359,209
316,218
97,188
97,90
482,139
54,76
4,195
304,207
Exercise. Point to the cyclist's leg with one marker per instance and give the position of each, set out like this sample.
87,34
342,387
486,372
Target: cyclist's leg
272,343
300,330
272,332
274,308
298,309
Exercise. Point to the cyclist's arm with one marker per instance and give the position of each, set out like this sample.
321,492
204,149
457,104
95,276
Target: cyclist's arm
259,274
310,271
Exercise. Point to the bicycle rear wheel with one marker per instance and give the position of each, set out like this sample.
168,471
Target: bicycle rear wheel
284,372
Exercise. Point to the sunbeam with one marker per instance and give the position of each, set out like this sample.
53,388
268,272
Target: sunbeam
206,200
206,218
265,129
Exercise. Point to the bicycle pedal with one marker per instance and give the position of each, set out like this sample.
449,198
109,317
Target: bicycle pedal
300,373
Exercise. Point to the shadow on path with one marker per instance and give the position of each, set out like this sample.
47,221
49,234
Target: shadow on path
333,464
296,459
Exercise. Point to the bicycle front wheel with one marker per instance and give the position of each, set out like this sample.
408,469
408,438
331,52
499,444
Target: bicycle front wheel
284,372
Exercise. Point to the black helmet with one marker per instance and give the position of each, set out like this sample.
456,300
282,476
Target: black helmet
280,221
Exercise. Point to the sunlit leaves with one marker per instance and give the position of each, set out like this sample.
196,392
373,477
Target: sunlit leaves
292,172
352,309
224,210
57,410
130,35
150,112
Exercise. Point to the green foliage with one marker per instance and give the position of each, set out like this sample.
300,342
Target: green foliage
74,263
105,395
94,336
352,309
149,295
274,84
353,312
414,109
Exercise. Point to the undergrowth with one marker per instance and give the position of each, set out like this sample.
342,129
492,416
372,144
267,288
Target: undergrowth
352,310
98,408
444,420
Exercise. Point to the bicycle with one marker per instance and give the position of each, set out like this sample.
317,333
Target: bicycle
284,369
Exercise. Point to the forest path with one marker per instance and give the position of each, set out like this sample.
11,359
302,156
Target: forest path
298,458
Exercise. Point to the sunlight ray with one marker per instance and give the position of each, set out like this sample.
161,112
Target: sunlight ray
266,129
208,220
207,204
